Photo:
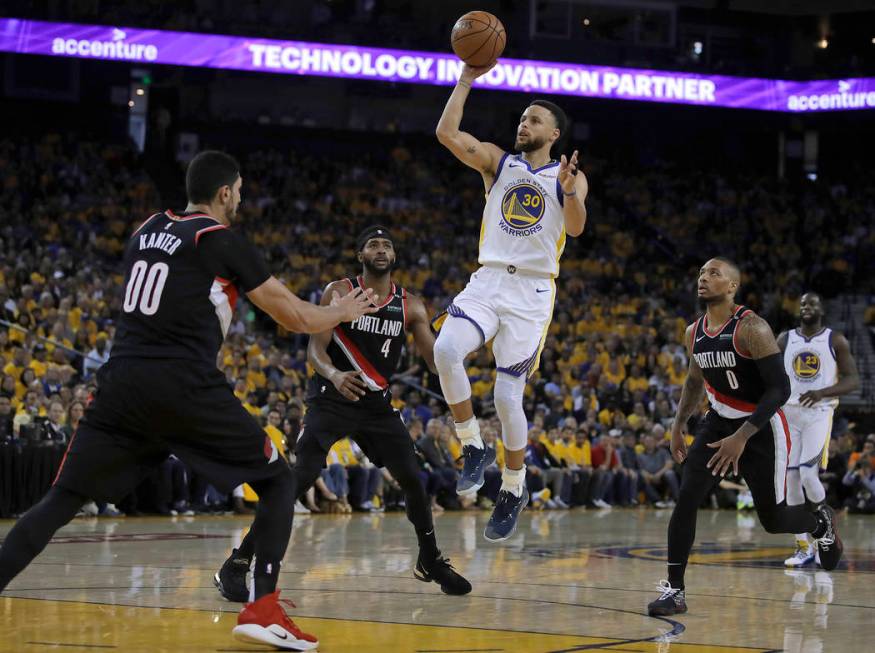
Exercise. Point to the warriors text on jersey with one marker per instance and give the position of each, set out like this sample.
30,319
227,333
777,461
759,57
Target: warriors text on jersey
732,380
371,345
523,224
182,275
811,365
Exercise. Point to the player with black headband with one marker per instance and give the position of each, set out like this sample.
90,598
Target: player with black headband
735,360
348,396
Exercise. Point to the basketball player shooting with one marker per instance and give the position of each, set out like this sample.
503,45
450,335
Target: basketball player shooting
735,360
532,203
821,368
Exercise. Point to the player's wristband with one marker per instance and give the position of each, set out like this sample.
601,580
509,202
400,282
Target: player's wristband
571,194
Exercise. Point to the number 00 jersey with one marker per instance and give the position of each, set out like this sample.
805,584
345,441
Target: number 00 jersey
182,274
811,365
732,380
523,224
371,345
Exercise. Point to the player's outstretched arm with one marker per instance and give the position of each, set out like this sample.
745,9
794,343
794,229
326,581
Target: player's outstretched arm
299,316
692,393
349,384
483,157
418,324
849,376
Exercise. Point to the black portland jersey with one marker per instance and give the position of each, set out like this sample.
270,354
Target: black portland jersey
732,380
176,304
371,345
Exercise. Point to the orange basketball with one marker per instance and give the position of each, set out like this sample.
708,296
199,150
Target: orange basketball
478,38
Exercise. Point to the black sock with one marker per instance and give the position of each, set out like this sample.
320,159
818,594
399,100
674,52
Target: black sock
676,576
247,546
428,548
265,576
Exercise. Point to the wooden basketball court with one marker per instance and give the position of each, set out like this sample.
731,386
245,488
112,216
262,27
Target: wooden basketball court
568,581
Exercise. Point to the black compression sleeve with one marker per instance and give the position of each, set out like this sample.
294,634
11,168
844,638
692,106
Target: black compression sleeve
229,255
777,392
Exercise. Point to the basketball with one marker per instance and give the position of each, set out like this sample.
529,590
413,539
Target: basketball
478,38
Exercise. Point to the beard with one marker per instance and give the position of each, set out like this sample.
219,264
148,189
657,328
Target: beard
810,320
378,270
531,145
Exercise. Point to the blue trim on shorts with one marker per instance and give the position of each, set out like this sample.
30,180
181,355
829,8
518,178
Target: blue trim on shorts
510,371
455,311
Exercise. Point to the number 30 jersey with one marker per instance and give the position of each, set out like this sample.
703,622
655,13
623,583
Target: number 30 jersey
732,379
523,223
372,345
182,275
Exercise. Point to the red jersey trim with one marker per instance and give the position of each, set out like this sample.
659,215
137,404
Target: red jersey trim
215,227
693,335
735,346
360,360
389,297
732,402
182,218
404,307
144,223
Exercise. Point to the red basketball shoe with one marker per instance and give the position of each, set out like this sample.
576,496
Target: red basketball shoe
265,622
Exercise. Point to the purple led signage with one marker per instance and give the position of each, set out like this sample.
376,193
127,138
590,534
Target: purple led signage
379,64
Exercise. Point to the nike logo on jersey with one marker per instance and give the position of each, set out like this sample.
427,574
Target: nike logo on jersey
512,165
540,290
700,339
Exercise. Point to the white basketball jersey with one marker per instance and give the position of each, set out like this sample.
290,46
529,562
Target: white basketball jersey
811,365
523,224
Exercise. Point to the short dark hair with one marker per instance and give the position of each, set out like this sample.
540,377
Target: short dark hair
207,173
560,118
732,264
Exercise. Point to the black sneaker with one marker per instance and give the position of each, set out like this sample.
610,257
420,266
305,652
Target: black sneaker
505,515
671,601
476,461
830,544
230,580
441,572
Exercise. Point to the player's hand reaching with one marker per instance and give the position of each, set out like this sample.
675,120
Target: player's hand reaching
729,451
810,398
567,172
678,446
349,384
354,304
470,73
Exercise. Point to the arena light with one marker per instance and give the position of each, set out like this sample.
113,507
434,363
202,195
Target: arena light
416,67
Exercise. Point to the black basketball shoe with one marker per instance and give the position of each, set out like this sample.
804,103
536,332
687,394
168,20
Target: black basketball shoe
441,572
230,580
671,601
829,545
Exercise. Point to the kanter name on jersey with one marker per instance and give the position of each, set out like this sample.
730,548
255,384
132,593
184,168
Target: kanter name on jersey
710,359
160,240
377,326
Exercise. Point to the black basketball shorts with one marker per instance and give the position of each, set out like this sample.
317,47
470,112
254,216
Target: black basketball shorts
146,409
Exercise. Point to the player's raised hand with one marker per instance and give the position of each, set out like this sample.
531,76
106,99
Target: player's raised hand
470,73
355,304
567,172
349,384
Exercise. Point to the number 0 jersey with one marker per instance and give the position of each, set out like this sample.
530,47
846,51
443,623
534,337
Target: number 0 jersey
732,379
182,274
523,223
371,345
811,365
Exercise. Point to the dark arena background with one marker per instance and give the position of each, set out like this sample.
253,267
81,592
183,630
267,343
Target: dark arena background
733,128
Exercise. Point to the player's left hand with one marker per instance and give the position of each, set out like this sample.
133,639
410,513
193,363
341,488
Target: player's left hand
810,398
729,450
567,172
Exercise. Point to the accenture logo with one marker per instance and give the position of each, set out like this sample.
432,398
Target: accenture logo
114,48
845,97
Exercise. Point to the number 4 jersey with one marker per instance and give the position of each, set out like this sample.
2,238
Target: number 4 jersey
372,345
182,275
732,379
